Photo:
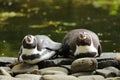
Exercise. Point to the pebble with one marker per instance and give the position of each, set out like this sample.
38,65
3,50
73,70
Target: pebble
7,60
109,55
101,68
113,78
82,74
23,68
91,77
58,77
28,76
84,64
106,62
108,72
60,69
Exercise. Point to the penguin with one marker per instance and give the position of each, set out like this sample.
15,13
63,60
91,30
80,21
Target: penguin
80,43
35,49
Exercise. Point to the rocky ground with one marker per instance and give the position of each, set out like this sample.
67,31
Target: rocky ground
106,67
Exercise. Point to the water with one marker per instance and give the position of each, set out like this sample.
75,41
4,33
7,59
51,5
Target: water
55,18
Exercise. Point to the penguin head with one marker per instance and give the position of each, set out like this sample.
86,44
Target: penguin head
83,39
29,42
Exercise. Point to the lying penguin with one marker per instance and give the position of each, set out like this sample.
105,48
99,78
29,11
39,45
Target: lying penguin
37,48
81,43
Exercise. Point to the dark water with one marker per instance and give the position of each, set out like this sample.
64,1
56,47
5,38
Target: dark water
55,18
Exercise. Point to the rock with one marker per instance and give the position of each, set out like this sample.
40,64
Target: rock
60,69
58,77
117,57
28,77
109,55
84,64
47,72
106,62
10,78
113,69
91,77
113,78
7,60
82,74
53,72
105,73
4,72
23,68
108,72
55,62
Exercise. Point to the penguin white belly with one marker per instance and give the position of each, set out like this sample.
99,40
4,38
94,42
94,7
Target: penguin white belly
44,54
85,49
30,51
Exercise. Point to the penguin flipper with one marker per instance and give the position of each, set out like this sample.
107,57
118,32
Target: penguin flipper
19,55
99,50
64,51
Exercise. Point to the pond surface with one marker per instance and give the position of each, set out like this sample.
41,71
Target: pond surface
55,18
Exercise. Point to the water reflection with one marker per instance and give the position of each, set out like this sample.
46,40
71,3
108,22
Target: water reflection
55,18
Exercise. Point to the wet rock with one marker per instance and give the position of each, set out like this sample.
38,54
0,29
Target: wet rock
106,62
47,72
28,76
84,64
113,78
108,55
58,77
60,69
7,60
117,57
9,78
4,72
23,68
91,77
113,69
82,73
108,72
105,73
4,77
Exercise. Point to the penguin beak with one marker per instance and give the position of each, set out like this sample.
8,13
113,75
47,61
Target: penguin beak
29,39
82,37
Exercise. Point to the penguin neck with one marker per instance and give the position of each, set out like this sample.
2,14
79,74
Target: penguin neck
85,49
27,51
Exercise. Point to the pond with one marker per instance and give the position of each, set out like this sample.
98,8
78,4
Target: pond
55,18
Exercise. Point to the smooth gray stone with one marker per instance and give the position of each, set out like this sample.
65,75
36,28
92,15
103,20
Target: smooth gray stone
3,77
58,77
52,72
91,77
47,72
28,76
4,71
108,72
23,68
113,78
82,74
7,60
61,69
106,62
84,64
109,55
113,69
